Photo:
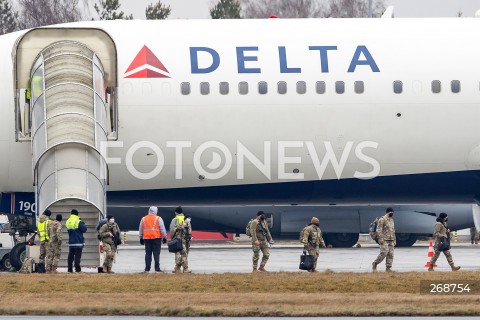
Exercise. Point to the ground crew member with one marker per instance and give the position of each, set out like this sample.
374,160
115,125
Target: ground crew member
474,235
313,240
386,240
179,218
152,233
183,231
54,248
261,239
76,228
441,230
42,228
110,235
36,87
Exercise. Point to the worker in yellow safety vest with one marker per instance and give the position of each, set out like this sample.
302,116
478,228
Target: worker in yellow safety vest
76,228
42,229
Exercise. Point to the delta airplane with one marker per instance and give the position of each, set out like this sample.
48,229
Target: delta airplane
242,112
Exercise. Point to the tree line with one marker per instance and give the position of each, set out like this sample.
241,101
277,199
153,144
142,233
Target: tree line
25,14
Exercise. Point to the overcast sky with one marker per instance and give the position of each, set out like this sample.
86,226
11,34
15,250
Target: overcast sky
198,9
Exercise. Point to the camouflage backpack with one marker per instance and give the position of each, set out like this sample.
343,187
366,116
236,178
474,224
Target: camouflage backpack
247,228
372,230
27,266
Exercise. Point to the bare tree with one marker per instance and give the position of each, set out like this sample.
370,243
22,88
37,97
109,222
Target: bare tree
354,8
8,17
157,11
37,13
226,9
282,8
108,10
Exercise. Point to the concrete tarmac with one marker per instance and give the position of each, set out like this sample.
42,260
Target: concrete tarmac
285,258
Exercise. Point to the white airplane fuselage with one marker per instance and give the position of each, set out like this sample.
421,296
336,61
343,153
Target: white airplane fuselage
425,145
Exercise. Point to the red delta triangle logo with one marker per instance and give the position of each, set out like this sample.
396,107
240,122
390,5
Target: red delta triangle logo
146,65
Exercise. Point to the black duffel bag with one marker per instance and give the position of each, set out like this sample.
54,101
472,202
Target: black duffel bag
306,261
175,245
444,244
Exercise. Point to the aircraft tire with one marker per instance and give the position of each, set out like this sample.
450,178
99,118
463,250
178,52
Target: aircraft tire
341,240
17,255
405,239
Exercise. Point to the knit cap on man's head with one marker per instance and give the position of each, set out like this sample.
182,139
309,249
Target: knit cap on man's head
48,213
179,210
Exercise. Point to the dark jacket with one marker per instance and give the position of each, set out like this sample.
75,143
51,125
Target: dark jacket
75,235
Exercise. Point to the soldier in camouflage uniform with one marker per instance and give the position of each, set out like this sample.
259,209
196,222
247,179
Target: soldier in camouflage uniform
386,240
54,244
109,233
261,239
441,230
474,235
188,234
42,228
183,230
313,240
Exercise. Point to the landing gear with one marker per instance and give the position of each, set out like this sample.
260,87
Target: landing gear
405,239
341,240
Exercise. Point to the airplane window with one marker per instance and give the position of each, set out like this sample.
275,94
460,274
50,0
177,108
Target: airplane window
455,86
262,87
320,87
436,86
359,87
340,87
204,88
224,88
301,87
282,87
243,87
397,87
185,88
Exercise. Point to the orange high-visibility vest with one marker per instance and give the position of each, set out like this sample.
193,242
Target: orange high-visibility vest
151,227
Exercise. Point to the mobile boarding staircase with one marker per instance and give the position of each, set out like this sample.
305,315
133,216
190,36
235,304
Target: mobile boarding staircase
69,121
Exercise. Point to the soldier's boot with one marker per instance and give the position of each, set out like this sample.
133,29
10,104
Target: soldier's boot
186,270
374,266
389,269
313,270
254,269
177,270
455,268
104,268
262,269
430,268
